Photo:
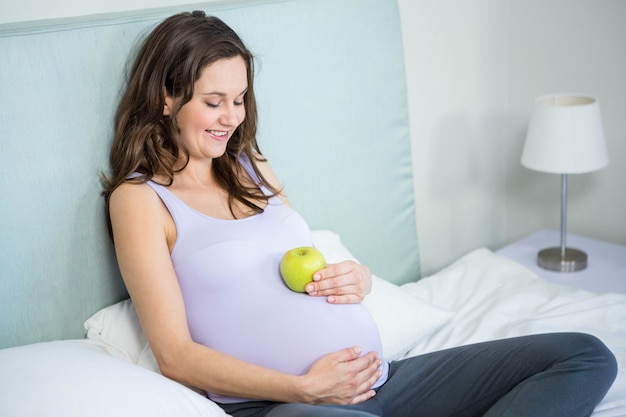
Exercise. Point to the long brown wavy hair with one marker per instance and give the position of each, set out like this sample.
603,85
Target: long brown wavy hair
171,59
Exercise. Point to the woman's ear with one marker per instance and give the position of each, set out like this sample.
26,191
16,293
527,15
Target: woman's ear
169,103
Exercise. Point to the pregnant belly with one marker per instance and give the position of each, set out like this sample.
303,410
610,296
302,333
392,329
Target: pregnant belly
290,335
244,309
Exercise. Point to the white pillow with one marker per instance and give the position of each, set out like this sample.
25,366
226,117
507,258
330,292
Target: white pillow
403,319
73,378
117,329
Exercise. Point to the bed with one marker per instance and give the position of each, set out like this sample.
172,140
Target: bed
337,137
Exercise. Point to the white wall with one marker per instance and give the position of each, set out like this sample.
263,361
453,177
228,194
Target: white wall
473,70
571,46
456,59
26,10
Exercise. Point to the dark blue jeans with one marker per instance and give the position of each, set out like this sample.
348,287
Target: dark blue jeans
548,375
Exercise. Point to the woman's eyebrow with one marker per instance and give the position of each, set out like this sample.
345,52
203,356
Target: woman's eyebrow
221,94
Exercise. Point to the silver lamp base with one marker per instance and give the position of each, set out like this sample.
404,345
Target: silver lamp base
550,258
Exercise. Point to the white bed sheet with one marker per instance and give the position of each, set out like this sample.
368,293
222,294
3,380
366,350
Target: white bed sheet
494,297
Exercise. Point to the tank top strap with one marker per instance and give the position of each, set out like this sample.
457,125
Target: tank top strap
173,204
245,162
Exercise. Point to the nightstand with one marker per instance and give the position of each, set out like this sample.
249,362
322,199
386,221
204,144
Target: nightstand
605,272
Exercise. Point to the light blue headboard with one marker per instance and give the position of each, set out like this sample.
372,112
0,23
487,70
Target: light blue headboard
333,123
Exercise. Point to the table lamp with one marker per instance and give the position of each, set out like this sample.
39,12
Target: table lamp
565,136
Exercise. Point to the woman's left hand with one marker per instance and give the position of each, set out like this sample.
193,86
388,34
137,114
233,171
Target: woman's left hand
344,283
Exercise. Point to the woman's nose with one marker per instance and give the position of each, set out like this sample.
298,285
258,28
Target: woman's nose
232,116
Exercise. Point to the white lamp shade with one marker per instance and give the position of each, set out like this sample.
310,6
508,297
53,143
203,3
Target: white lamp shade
565,135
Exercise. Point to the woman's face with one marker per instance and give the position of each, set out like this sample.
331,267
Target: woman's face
216,109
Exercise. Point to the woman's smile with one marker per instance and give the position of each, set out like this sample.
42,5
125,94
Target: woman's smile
220,135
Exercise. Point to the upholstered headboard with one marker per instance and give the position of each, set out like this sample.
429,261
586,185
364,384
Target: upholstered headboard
333,123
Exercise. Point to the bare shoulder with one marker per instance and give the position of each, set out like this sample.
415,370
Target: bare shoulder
132,193
136,206
130,197
268,173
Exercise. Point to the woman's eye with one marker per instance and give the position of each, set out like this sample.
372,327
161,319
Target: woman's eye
216,105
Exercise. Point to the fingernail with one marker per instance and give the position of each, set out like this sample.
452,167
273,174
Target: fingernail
317,277
331,299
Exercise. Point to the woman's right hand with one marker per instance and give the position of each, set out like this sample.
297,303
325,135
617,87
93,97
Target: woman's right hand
343,377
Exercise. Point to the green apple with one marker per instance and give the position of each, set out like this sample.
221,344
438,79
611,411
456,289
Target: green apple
298,266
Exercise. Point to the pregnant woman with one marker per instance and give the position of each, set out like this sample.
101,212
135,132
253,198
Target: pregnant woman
200,223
